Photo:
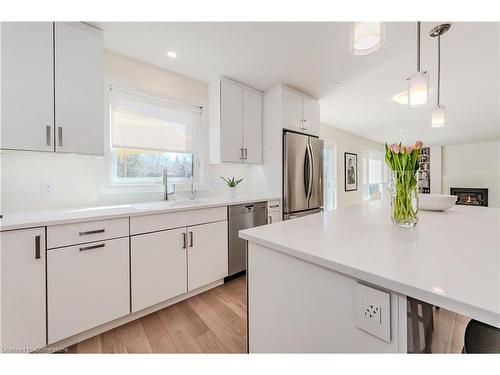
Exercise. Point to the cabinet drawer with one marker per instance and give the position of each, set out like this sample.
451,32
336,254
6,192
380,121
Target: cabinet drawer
87,285
72,234
273,206
152,223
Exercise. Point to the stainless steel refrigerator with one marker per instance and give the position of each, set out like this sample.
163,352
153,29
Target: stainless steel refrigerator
302,175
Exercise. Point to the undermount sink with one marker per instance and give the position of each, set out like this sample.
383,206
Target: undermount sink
122,207
167,204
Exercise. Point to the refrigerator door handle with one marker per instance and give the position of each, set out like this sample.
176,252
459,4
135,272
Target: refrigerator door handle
310,166
312,176
307,169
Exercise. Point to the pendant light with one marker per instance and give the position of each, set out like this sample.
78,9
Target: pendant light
439,112
367,37
418,83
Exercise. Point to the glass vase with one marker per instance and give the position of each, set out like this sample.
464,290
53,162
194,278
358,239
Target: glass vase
404,198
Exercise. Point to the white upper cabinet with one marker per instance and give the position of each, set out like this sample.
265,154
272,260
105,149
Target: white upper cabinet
252,126
235,123
22,293
311,115
47,67
79,89
299,112
231,122
27,86
292,110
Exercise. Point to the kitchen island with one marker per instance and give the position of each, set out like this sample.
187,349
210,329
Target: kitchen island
307,277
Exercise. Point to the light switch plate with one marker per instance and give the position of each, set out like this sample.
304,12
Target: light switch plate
373,311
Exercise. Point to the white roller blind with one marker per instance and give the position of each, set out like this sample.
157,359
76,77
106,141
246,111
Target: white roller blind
140,122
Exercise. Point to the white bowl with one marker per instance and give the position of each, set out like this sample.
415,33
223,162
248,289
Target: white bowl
436,202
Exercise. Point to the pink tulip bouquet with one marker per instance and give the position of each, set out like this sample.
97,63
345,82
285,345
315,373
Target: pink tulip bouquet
404,162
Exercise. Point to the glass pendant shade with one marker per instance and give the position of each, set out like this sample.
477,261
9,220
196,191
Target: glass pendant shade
438,116
367,37
418,85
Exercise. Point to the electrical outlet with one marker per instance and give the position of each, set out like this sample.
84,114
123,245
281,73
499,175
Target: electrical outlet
47,189
371,311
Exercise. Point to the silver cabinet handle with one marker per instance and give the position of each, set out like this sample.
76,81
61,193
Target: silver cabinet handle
184,245
191,239
270,219
92,247
59,136
274,206
246,153
37,247
48,131
91,232
241,153
305,124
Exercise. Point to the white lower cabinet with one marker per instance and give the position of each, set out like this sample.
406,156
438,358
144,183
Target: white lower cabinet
50,295
158,267
23,290
87,285
273,217
172,262
273,211
207,254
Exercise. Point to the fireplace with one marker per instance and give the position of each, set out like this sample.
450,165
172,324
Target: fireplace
471,196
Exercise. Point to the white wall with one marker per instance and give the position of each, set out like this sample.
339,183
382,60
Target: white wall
82,180
475,165
347,142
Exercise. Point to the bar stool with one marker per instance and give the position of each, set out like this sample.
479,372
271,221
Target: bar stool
481,338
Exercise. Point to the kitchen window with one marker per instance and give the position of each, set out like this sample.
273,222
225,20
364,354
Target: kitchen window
374,174
150,134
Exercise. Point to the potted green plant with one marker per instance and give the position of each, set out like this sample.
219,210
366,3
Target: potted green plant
231,184
404,162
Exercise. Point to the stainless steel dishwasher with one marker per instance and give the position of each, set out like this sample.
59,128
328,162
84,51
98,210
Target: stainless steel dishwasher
243,216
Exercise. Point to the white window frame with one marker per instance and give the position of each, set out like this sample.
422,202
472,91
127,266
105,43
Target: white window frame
366,171
155,183
334,199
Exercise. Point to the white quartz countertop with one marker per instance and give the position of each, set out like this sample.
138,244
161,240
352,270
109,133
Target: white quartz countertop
30,219
450,259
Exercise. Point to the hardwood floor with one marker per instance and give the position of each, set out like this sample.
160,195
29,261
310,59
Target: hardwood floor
211,322
215,322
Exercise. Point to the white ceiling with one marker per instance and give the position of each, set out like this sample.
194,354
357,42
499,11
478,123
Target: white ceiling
315,57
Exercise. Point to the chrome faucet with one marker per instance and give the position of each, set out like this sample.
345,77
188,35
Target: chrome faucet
165,185
193,192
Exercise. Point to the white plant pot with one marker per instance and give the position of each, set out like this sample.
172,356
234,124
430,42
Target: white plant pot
231,192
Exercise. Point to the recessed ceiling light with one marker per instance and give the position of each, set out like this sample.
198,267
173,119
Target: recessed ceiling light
401,98
400,130
172,54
